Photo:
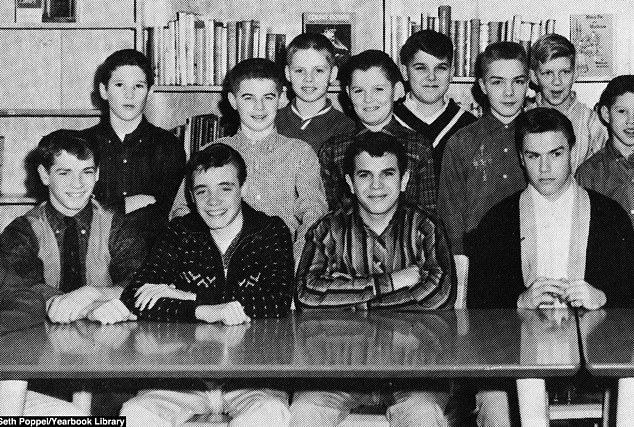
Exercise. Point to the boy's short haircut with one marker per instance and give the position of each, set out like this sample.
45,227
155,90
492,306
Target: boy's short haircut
429,41
376,144
253,68
72,141
551,46
315,41
615,88
121,58
215,156
371,58
540,120
493,52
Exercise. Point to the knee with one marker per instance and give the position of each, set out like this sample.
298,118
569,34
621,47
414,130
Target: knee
493,409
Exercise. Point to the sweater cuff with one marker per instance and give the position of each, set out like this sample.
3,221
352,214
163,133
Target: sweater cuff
383,284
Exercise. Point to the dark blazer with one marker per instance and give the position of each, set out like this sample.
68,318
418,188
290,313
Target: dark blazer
495,266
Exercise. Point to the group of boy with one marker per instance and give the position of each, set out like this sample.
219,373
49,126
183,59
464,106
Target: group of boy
253,206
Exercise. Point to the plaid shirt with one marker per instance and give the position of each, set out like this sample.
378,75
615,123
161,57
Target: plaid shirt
421,188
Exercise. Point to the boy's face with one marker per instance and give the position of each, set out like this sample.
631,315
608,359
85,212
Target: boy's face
505,83
546,157
377,182
555,78
620,116
218,196
256,101
373,95
429,77
126,92
70,182
310,74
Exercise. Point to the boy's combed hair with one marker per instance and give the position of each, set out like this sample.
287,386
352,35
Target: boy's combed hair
615,88
493,52
114,61
376,144
371,58
215,156
72,141
551,46
540,120
315,41
429,41
253,68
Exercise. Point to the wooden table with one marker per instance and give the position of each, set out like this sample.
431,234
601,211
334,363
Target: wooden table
608,346
314,344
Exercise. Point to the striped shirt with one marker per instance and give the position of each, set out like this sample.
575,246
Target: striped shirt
421,188
345,263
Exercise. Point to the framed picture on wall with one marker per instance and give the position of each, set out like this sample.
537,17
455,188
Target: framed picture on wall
338,27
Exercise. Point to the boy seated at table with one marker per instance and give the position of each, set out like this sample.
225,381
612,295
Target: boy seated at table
554,244
382,252
283,173
223,262
69,254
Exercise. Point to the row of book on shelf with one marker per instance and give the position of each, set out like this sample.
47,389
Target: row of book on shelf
197,50
469,37
198,132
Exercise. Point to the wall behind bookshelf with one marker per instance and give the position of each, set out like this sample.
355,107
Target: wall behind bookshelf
47,74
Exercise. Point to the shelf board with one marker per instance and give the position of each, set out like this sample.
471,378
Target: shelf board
210,89
67,26
41,112
16,199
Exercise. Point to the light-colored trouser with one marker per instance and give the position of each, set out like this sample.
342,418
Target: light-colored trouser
246,407
493,408
41,405
329,408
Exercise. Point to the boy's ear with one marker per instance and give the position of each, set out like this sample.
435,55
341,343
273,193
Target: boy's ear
243,191
103,92
405,180
483,87
404,71
232,100
399,91
287,72
349,181
97,175
334,71
605,113
44,175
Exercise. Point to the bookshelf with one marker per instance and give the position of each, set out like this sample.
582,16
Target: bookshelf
47,75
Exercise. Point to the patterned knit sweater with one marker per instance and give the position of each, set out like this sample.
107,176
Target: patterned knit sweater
259,270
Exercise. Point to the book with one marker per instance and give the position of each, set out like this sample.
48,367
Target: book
337,27
474,35
444,20
59,11
29,10
593,37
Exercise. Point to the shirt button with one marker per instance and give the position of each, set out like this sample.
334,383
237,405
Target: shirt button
256,167
505,176
258,197
125,193
83,231
632,212
125,161
506,150
56,231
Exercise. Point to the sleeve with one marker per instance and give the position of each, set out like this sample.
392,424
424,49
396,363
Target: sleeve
127,251
19,251
272,297
585,176
451,195
310,204
17,300
179,207
160,267
319,284
597,133
330,175
169,169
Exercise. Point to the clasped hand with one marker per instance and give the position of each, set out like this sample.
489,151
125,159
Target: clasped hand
544,292
148,294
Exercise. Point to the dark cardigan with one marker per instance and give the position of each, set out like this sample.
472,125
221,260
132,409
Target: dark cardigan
495,266
259,272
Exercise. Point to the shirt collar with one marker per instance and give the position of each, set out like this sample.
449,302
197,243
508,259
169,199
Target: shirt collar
56,218
135,135
324,110
543,205
539,100
410,103
356,217
269,142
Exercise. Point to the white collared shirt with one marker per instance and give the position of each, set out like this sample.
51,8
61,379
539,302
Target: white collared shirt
553,220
